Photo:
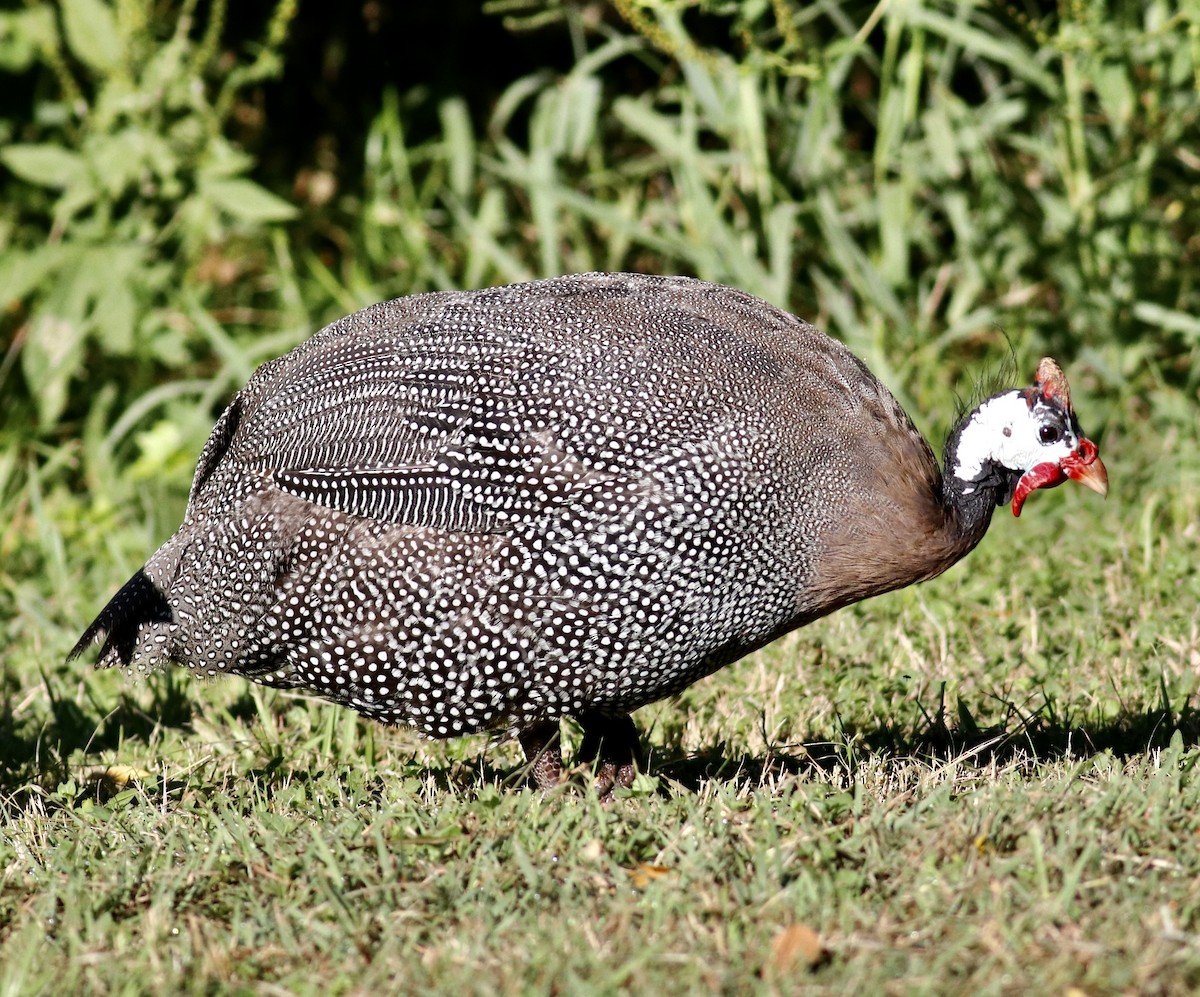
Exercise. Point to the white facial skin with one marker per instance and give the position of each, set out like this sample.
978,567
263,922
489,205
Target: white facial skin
1007,431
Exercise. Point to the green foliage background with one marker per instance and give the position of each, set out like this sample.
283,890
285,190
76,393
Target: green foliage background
915,177
190,187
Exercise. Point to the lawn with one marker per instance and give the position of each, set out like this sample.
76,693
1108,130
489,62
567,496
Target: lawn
986,784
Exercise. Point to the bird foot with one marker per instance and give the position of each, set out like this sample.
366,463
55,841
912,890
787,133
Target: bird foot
542,744
610,747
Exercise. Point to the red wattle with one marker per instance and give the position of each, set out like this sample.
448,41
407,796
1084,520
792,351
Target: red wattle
1039,476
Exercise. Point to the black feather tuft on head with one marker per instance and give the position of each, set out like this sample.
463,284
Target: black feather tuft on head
1001,376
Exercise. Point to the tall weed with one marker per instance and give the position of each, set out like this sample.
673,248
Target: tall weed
934,182
130,211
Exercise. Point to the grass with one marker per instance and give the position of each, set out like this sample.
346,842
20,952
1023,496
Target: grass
983,785
987,784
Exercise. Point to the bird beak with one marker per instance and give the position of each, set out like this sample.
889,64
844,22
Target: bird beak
1086,467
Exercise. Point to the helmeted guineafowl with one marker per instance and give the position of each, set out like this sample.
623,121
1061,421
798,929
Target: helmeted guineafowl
572,497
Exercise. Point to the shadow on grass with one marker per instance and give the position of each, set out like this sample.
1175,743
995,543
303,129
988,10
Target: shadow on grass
36,750
1022,740
37,756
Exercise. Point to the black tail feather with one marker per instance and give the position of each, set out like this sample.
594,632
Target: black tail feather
138,605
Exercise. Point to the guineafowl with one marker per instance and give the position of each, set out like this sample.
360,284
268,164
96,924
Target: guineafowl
490,510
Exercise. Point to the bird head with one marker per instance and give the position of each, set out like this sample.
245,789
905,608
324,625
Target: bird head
1029,439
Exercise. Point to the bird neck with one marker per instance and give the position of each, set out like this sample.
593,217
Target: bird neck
974,484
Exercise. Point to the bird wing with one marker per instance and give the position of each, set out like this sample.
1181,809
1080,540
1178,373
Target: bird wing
464,438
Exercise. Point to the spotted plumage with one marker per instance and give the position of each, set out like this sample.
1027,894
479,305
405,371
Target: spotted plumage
493,509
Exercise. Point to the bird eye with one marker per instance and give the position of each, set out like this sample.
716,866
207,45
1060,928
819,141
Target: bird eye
1050,434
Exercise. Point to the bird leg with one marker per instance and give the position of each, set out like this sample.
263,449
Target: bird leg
542,744
611,745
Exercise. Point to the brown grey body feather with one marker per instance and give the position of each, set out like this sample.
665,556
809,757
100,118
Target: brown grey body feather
572,497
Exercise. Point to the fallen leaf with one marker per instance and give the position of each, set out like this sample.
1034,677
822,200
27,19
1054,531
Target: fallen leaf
644,873
120,775
794,946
